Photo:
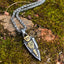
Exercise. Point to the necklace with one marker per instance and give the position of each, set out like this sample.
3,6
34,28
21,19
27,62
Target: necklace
29,41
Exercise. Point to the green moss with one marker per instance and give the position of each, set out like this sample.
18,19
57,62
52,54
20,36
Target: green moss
51,16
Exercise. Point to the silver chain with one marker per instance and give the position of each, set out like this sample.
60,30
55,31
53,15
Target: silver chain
23,8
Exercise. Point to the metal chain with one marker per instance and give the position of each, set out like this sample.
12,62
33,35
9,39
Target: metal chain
23,8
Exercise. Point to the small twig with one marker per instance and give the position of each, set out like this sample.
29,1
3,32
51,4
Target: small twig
16,3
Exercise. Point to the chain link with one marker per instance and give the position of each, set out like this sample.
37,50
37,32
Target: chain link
24,8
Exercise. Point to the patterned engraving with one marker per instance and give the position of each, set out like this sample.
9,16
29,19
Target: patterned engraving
31,44
34,50
27,38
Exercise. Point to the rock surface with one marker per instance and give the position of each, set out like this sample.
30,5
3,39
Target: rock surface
46,34
9,26
42,33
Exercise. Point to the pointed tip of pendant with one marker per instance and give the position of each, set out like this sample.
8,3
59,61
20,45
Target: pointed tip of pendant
39,59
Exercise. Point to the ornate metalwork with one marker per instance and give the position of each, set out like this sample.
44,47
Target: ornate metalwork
29,42
32,46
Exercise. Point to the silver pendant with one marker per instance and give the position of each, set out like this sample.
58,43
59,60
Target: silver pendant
29,41
31,45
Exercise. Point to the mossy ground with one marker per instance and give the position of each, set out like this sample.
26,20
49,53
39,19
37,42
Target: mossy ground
51,16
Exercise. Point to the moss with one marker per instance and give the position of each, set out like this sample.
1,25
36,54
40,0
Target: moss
51,16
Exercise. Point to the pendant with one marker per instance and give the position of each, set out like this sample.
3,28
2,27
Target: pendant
31,45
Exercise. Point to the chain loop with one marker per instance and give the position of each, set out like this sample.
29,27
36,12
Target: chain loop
23,8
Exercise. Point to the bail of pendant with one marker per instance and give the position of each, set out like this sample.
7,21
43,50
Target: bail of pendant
23,32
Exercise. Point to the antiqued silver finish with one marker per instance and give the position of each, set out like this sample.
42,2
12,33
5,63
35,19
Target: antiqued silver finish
29,41
33,48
